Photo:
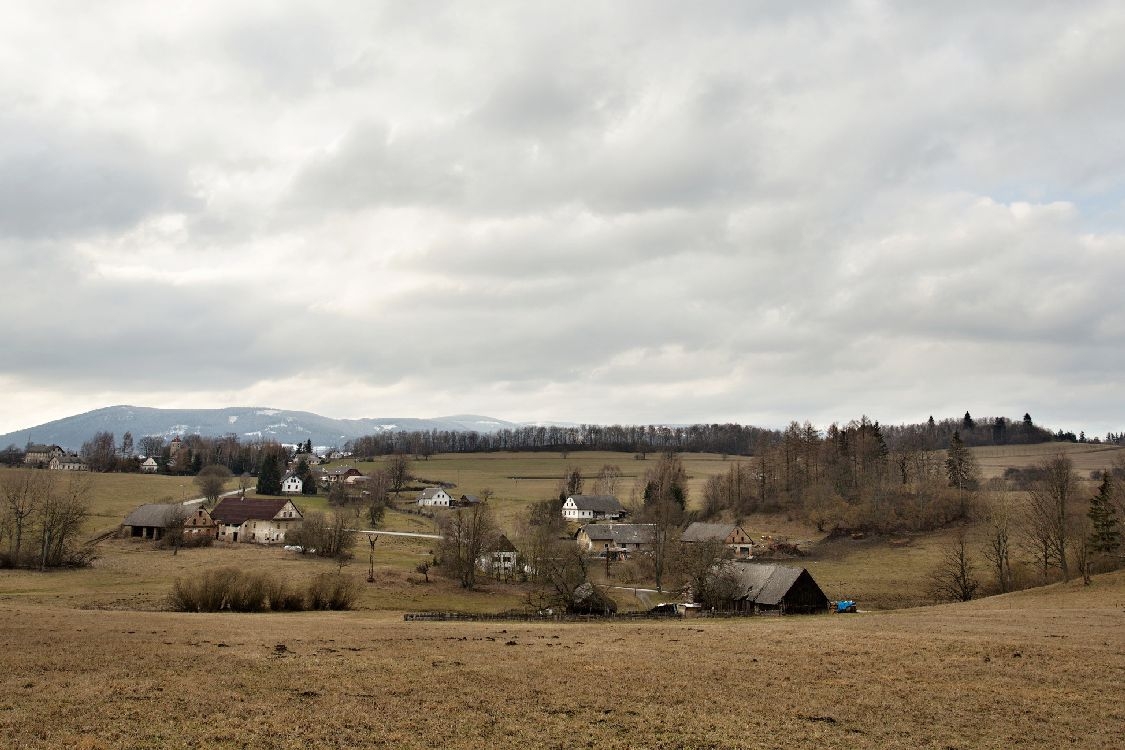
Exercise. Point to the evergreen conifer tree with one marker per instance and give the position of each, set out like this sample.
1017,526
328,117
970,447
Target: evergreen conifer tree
1105,535
269,475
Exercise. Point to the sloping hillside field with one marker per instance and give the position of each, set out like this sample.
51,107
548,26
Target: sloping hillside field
1043,668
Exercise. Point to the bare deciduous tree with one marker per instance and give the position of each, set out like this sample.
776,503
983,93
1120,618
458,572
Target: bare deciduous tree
608,480
174,521
211,481
999,542
1050,518
571,482
398,470
665,497
467,534
698,564
954,577
22,494
59,518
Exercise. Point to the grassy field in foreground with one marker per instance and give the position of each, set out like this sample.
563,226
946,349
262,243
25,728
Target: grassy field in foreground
1035,669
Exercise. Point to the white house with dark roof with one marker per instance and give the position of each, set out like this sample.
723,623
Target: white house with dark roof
292,485
592,508
434,497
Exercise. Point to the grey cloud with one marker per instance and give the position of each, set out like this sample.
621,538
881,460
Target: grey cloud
751,211
60,181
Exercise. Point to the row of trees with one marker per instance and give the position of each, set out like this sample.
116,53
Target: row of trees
849,478
41,516
729,439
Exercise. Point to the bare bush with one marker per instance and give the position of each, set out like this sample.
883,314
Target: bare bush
207,592
237,591
332,591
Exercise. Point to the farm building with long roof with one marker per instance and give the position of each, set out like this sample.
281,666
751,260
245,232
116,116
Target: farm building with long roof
773,588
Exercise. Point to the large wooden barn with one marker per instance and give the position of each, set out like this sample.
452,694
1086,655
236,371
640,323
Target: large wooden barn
772,588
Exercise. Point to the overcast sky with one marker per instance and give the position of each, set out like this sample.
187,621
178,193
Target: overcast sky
592,212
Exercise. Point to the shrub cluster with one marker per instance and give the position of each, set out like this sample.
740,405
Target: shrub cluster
188,541
248,591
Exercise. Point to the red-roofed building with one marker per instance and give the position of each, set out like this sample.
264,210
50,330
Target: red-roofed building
258,520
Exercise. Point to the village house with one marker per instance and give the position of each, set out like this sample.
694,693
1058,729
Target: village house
729,534
257,520
67,462
500,561
199,523
592,508
149,466
770,588
616,539
152,521
434,497
339,474
41,455
292,485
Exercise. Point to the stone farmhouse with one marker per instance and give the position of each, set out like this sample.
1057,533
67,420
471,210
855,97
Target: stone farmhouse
67,462
149,466
339,474
734,537
258,520
41,455
616,539
592,508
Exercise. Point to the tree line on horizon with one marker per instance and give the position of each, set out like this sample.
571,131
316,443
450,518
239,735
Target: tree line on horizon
726,439
103,453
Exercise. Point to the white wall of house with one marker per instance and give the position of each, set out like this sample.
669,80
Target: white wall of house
570,511
292,486
439,499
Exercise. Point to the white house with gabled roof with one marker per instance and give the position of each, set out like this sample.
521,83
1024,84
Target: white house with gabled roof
434,497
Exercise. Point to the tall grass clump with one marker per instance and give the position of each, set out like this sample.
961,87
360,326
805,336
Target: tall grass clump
207,592
231,589
332,591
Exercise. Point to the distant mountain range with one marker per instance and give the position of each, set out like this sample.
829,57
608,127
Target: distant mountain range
249,423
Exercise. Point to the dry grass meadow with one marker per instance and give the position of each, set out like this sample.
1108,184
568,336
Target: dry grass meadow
91,658
1042,668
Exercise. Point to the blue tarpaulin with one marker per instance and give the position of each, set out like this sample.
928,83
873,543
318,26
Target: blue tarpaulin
846,605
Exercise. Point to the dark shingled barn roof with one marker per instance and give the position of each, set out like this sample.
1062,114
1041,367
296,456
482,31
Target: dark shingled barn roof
152,514
235,511
767,584
597,503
